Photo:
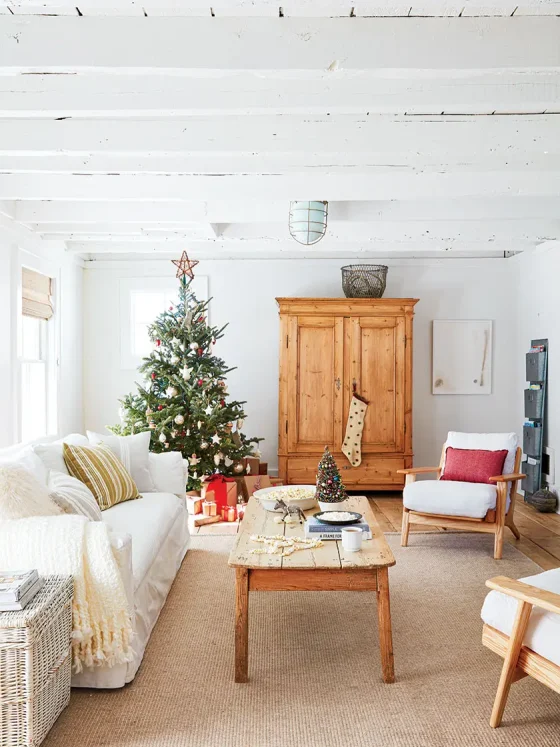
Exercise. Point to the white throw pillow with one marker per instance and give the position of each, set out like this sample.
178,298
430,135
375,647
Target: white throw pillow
169,473
51,453
133,451
72,496
22,495
26,458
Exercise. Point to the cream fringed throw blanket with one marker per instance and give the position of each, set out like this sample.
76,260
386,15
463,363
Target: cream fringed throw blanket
74,546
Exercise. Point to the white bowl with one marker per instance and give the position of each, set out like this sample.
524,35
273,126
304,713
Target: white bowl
268,503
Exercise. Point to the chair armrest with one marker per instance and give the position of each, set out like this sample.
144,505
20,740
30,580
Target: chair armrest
546,600
418,470
508,478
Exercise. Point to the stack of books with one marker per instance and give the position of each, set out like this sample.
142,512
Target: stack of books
317,530
17,589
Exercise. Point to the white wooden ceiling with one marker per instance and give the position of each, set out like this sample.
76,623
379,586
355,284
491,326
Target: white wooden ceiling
139,127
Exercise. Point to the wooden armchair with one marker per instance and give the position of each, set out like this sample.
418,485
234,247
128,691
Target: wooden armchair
530,612
462,505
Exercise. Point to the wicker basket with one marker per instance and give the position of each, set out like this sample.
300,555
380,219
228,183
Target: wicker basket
35,664
364,281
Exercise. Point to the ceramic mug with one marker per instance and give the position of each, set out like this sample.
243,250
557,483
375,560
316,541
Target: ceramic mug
352,539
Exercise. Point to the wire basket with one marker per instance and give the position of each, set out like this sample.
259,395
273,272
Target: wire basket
364,281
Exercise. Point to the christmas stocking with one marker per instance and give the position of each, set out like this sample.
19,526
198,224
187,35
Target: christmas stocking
352,444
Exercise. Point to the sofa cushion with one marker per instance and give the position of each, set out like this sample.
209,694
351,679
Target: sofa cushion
168,472
51,453
133,451
543,631
448,498
25,457
102,472
73,496
148,520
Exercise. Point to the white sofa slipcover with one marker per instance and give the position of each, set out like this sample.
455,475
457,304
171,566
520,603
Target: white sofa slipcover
543,631
150,538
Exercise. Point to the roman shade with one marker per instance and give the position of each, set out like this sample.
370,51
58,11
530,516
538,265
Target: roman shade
36,294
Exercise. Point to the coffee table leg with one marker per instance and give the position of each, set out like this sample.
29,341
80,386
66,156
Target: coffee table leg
385,633
241,624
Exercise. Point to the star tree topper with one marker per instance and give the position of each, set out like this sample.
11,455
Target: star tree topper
185,266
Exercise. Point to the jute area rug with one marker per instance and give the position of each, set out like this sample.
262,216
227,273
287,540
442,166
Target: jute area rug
314,664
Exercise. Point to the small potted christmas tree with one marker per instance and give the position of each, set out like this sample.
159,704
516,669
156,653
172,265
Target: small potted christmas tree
331,492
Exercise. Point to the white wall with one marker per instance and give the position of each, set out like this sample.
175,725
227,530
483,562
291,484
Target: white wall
538,316
68,277
243,294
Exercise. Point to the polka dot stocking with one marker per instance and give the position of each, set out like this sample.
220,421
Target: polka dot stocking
352,444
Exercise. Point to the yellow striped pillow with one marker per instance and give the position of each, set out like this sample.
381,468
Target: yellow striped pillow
102,472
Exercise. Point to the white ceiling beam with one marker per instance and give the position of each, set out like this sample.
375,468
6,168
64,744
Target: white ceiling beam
389,137
132,96
202,45
45,214
322,186
259,248
290,8
337,233
302,163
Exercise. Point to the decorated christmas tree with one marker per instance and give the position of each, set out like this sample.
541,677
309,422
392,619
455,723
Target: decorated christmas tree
330,488
184,399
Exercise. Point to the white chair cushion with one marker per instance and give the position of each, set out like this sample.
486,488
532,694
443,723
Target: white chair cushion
543,632
488,442
148,520
449,498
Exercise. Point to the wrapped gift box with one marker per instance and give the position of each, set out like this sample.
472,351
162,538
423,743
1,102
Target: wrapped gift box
256,482
263,468
251,465
194,504
275,481
224,489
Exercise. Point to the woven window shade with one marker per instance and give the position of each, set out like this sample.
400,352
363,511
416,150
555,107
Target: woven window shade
36,294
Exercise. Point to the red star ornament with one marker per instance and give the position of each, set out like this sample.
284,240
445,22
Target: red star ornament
185,266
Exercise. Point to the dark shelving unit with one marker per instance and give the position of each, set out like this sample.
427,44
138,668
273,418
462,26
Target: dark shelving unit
536,367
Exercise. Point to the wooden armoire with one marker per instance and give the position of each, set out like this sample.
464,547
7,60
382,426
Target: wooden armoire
330,347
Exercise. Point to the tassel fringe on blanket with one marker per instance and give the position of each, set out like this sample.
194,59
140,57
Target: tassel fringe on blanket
74,546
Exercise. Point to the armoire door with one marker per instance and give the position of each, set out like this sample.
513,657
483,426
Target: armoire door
315,376
375,369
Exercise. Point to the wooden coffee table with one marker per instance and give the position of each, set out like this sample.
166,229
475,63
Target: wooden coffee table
327,568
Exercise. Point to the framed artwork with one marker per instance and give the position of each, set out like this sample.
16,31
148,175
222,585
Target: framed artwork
462,357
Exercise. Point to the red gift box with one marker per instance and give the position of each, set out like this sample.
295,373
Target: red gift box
224,489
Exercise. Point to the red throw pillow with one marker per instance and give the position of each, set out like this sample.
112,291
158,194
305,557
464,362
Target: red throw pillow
473,465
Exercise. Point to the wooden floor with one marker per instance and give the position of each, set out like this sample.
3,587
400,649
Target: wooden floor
540,533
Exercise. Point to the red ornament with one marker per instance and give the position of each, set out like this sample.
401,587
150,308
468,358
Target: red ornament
153,376
160,407
158,343
182,434
223,402
171,308
200,318
200,351
200,382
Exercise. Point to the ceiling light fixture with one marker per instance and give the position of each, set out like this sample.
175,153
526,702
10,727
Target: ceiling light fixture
308,221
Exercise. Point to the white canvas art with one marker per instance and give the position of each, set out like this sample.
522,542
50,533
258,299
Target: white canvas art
462,357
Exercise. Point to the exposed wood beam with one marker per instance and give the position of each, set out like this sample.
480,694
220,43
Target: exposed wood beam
73,212
132,96
275,187
435,139
202,45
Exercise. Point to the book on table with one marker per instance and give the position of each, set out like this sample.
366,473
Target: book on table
17,589
318,530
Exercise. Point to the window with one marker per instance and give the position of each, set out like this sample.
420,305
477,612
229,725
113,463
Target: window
141,301
37,389
33,378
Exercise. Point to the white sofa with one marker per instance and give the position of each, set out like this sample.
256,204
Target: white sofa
150,537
